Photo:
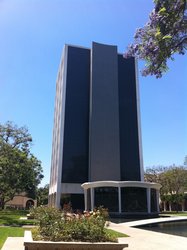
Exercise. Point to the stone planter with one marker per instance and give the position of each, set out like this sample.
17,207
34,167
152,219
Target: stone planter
49,245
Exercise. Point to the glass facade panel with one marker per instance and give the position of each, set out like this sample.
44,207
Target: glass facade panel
128,123
153,200
107,197
72,201
133,199
75,149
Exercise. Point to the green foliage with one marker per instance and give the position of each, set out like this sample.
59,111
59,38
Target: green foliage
20,171
15,137
173,180
57,225
42,195
48,221
174,198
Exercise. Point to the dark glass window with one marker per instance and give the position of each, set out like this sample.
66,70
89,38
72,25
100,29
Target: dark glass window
107,197
128,124
133,199
153,200
75,148
72,202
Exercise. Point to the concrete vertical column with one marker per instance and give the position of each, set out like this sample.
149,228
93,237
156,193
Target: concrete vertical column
157,201
148,200
55,198
60,112
49,200
104,141
92,198
85,199
52,204
119,198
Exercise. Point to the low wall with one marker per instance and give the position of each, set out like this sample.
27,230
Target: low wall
49,245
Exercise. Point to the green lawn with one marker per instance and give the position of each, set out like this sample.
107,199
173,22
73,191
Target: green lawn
10,232
116,234
174,213
12,218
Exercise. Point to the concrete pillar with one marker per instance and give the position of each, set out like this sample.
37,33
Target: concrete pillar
48,200
85,199
92,198
119,199
157,201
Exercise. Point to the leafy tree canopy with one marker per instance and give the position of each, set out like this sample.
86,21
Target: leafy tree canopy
20,171
42,195
173,179
15,137
164,34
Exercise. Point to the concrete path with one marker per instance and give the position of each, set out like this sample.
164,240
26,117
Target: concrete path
13,243
147,240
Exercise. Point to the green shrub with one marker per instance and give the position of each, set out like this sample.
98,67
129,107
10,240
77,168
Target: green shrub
56,225
48,220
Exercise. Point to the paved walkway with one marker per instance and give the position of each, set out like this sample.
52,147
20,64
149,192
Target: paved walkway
147,240
139,239
13,243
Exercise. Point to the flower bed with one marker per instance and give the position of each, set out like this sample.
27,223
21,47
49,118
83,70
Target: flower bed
65,230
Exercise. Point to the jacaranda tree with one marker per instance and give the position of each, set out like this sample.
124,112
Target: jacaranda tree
164,35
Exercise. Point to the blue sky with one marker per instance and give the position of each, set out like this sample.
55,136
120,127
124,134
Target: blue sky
33,33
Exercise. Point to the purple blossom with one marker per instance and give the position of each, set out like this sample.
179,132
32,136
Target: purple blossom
163,34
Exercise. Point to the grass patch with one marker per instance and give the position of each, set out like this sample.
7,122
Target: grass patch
174,213
12,218
14,212
10,232
115,234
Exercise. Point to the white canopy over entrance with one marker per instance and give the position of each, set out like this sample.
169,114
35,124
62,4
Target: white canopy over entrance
124,190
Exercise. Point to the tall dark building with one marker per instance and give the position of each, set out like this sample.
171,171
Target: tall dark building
97,135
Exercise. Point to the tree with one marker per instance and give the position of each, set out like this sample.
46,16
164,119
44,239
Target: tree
173,180
42,195
15,137
20,171
163,35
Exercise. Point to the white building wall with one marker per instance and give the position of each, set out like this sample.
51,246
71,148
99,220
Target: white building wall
58,133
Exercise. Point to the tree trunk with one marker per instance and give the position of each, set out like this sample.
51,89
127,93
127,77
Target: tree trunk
2,204
182,206
170,206
165,206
